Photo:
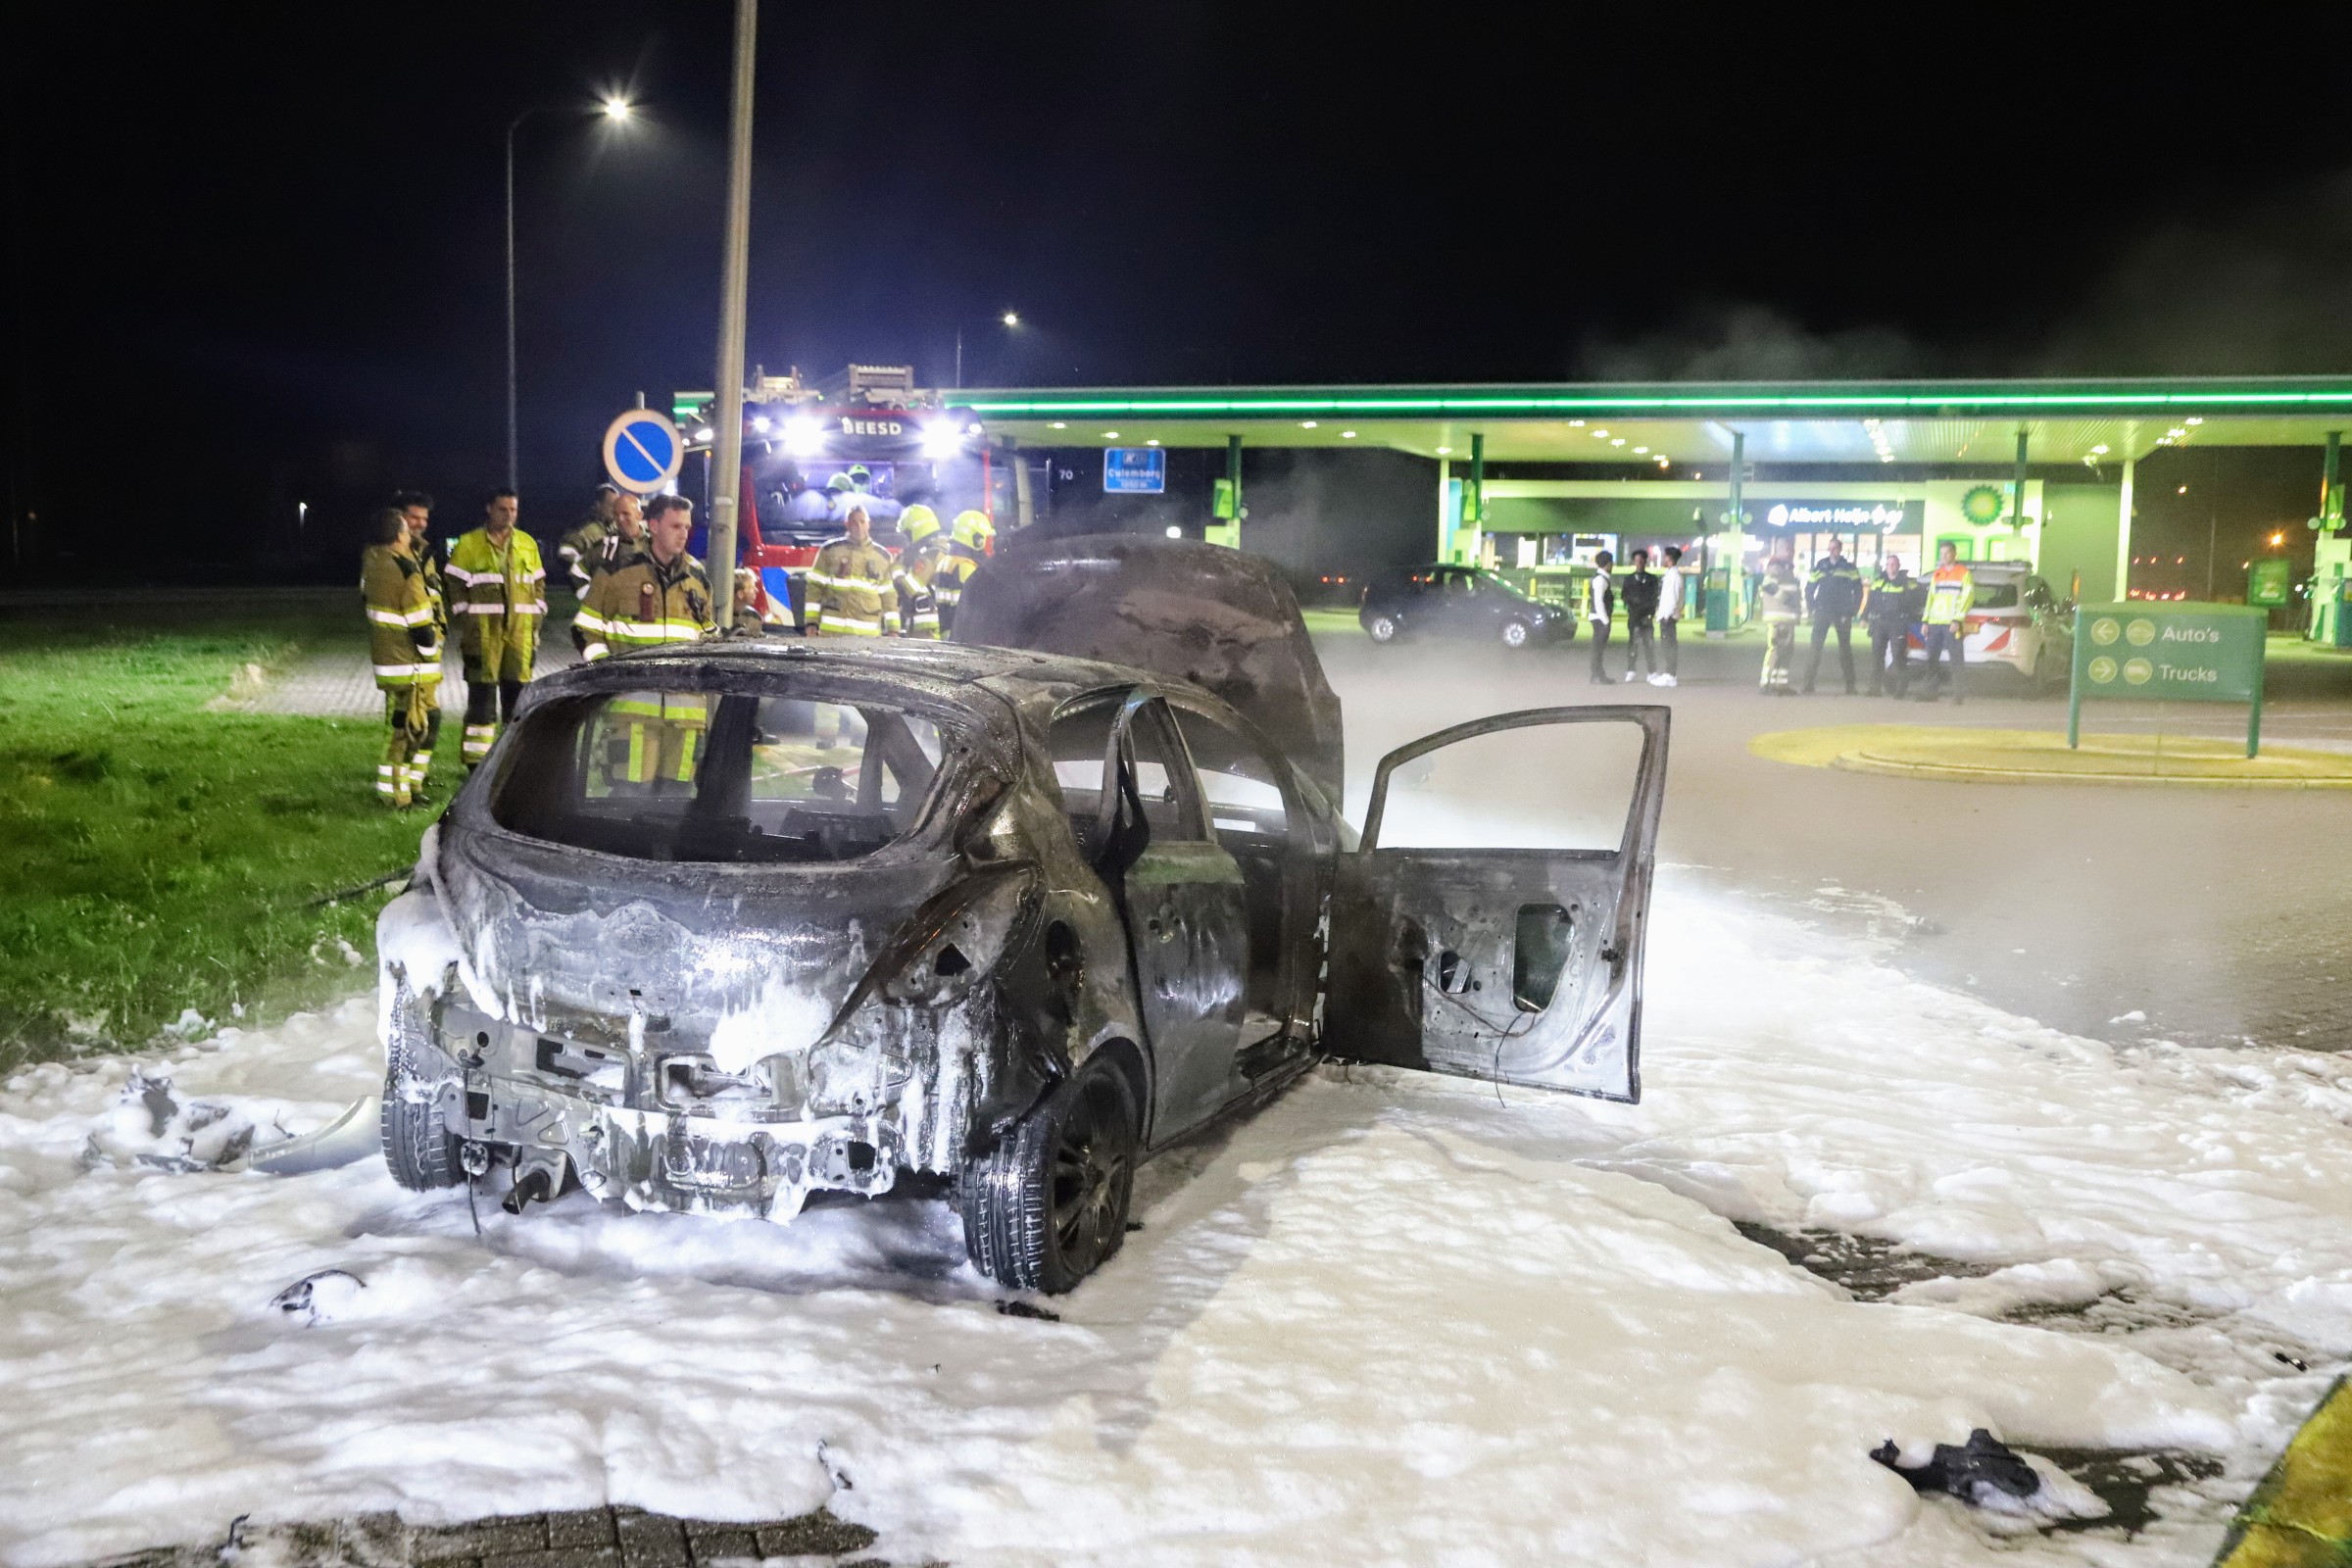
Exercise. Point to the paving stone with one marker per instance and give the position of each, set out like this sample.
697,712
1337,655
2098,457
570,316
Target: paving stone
484,1537
651,1541
813,1535
711,1540
588,1527
560,1557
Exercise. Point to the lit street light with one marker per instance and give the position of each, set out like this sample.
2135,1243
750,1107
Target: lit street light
1011,319
615,109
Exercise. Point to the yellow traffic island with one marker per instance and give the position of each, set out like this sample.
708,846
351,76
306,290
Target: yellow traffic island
2042,757
2301,1515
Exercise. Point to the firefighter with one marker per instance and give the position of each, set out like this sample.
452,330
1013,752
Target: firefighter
401,647
850,585
1781,601
967,548
418,507
1951,594
753,609
658,595
926,547
620,541
1888,612
578,547
500,599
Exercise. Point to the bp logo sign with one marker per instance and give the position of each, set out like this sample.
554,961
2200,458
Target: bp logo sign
1981,505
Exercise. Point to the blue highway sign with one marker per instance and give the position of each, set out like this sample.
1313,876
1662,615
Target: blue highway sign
1135,470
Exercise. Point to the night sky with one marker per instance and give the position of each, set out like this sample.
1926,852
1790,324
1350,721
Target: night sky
258,249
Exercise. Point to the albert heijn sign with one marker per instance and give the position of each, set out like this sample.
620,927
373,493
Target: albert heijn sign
2170,652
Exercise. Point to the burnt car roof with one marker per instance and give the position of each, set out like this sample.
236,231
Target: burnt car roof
1179,609
1022,677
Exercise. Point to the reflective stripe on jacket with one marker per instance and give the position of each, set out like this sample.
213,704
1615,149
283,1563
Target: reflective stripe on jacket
402,646
850,592
1951,594
643,604
1781,599
1888,603
1837,592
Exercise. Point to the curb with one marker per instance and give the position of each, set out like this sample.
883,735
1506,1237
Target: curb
1962,773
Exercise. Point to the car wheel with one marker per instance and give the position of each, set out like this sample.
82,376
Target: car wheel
1048,1205
419,1150
1514,633
1382,628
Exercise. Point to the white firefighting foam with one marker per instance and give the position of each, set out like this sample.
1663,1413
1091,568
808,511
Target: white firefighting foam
1391,1318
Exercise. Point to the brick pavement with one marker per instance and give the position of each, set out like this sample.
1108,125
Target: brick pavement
591,1537
338,684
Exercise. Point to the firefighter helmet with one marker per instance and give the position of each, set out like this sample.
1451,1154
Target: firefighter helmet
918,523
974,530
840,481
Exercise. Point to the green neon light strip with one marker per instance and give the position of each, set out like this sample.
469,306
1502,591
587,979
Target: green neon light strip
1935,401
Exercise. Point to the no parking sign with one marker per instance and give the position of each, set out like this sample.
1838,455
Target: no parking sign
642,451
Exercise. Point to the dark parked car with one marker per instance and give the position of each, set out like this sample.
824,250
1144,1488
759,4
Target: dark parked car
1458,602
721,927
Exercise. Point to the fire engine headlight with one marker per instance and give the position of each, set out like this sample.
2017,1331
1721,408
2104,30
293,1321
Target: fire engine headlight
804,437
941,440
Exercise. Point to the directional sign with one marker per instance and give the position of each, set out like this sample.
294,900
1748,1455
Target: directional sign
642,451
1135,470
2170,652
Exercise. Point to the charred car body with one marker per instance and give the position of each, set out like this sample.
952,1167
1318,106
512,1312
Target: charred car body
724,926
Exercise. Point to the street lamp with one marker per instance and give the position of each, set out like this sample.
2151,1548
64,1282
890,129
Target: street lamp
615,109
1011,319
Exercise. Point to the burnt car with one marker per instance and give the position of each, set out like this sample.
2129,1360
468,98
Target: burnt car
732,927
1466,602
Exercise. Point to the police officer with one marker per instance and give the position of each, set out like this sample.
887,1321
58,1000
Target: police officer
1951,594
661,595
851,591
1836,593
1888,610
418,507
401,647
498,600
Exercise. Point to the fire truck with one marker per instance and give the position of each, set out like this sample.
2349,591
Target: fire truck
869,438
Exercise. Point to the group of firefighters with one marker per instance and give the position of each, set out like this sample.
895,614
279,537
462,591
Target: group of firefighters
637,586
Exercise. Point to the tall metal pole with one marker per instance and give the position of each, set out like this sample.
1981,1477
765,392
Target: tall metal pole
2017,487
726,478
513,482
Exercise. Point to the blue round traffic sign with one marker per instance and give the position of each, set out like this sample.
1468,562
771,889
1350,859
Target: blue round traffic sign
642,451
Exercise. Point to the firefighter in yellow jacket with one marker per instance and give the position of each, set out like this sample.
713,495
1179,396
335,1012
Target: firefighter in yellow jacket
498,599
404,650
658,595
926,547
966,549
851,591
417,506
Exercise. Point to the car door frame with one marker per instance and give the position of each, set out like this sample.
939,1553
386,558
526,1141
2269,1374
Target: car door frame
1377,1004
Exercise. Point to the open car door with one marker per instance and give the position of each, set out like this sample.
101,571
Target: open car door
1520,965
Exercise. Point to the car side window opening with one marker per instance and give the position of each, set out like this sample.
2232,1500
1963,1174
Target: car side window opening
1076,742
710,776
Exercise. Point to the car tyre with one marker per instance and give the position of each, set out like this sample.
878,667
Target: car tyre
1516,633
419,1150
1048,1205
1382,629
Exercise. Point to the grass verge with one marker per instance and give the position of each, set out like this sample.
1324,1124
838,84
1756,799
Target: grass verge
162,855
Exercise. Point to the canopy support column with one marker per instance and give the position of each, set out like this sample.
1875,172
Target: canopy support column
2123,534
1226,530
2017,486
1727,586
1469,541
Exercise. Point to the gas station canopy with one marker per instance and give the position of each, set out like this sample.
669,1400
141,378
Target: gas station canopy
1682,423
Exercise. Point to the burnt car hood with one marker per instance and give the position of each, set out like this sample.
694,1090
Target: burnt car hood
1177,608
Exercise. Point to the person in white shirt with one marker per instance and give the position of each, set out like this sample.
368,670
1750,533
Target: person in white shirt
1601,606
1669,611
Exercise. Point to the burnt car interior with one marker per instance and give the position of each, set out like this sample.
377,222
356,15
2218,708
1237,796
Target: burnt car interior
722,776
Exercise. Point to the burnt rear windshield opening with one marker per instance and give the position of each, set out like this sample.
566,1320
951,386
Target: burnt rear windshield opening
722,776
